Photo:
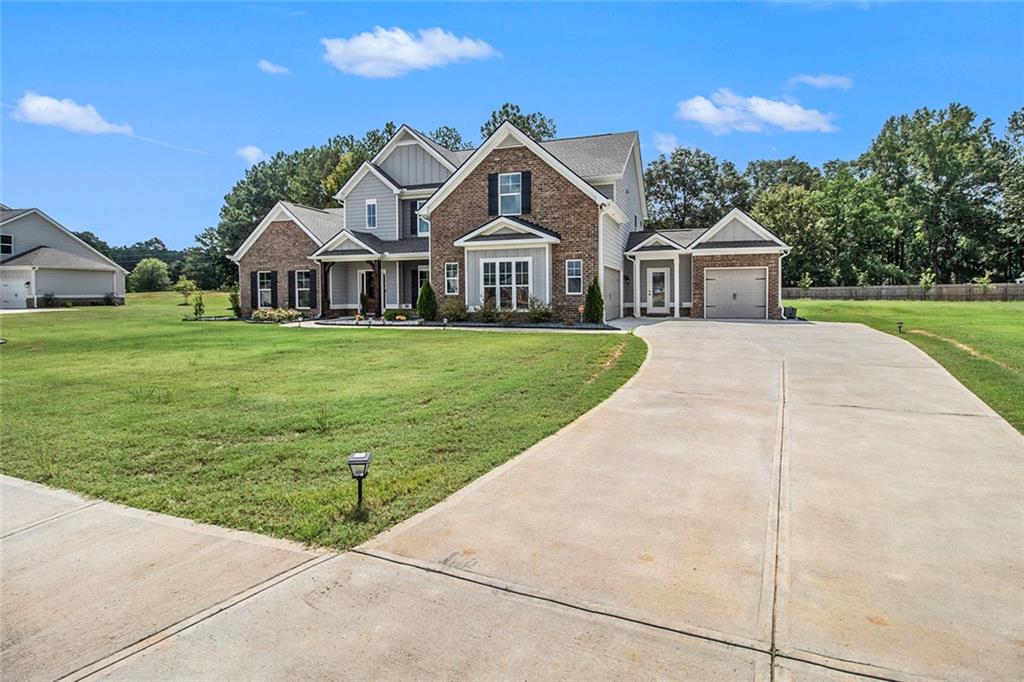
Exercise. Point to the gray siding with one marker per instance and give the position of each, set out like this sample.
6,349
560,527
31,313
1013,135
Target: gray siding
538,271
409,290
344,285
410,164
735,231
685,279
613,241
408,209
33,230
397,289
627,195
370,187
607,190
77,283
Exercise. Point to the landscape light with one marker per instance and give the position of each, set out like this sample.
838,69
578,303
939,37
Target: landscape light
899,325
359,466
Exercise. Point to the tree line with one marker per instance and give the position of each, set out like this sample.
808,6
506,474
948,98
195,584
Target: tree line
936,195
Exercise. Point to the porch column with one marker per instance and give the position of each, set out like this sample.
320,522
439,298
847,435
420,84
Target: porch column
675,276
636,285
378,269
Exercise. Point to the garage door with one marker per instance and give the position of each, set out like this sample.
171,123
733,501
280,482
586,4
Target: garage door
13,293
735,293
611,294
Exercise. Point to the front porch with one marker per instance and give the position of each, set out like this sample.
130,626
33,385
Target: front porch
660,280
387,284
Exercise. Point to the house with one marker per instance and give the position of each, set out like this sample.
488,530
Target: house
512,220
41,260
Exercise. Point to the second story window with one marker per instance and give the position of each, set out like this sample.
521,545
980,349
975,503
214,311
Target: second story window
510,193
422,224
6,244
371,214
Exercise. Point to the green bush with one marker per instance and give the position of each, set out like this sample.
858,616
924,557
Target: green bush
109,298
185,288
149,275
236,303
276,315
486,312
593,309
198,306
364,303
509,317
394,314
453,310
539,311
926,281
805,282
426,304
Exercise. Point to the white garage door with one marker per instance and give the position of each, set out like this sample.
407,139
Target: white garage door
611,294
731,293
13,293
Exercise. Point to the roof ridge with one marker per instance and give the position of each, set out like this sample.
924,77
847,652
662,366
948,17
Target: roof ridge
582,137
308,208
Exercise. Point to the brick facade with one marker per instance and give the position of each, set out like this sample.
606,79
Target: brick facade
749,260
282,247
556,204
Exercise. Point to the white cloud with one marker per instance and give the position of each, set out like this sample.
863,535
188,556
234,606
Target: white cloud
251,153
66,114
822,80
726,111
665,142
392,52
273,69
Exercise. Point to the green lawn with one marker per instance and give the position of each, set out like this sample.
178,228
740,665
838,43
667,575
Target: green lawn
248,426
981,344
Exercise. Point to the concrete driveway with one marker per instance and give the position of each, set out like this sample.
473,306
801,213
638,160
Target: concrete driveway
788,501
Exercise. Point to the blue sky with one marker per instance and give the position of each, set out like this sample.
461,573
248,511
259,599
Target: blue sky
717,76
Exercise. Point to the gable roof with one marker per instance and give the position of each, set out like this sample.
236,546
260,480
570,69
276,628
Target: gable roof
691,239
8,215
49,257
508,229
364,168
318,224
370,245
748,222
500,134
593,156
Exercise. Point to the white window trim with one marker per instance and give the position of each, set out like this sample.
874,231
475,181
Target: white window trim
510,194
260,290
573,293
420,269
420,220
366,214
9,238
306,289
447,279
514,259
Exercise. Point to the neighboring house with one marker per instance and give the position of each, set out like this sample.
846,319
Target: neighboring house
40,258
512,220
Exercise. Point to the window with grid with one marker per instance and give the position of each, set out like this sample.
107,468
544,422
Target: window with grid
510,193
303,293
265,297
574,276
451,278
506,283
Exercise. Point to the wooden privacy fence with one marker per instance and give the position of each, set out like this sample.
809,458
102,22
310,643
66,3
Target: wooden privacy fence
912,292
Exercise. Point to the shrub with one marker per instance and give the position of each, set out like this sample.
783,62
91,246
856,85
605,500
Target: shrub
50,301
593,309
149,275
109,298
805,282
396,315
539,311
198,306
508,317
985,281
453,310
486,312
426,304
364,303
276,315
926,281
185,288
236,303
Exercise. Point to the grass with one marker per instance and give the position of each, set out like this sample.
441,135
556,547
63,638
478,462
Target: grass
980,343
248,426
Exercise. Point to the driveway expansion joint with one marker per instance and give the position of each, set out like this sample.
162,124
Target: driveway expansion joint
49,519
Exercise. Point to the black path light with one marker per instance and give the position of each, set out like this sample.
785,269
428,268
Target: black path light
359,465
899,325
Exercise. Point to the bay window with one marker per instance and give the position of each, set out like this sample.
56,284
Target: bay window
506,283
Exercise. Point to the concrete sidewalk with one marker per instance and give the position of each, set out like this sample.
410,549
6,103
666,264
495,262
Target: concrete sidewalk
803,502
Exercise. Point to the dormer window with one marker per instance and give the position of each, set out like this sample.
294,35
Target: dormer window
510,193
371,214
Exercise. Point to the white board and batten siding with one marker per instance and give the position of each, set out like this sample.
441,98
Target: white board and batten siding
411,164
371,187
539,275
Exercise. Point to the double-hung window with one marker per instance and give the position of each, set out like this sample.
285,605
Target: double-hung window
510,193
264,281
422,224
507,282
6,244
451,279
574,276
303,291
371,214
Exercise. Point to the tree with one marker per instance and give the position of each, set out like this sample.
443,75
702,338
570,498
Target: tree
95,242
450,138
536,125
943,169
185,288
149,275
593,307
1010,245
790,212
691,189
763,174
426,304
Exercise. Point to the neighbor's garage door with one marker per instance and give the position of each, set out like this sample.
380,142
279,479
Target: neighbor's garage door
611,294
736,293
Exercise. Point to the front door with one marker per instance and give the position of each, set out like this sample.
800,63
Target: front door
368,286
657,290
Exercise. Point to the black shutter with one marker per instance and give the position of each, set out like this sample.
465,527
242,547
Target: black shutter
527,182
412,217
314,302
291,288
492,194
273,288
254,294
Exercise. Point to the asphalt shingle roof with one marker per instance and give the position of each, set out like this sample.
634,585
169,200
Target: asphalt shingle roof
7,213
321,222
682,237
49,257
736,244
512,219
